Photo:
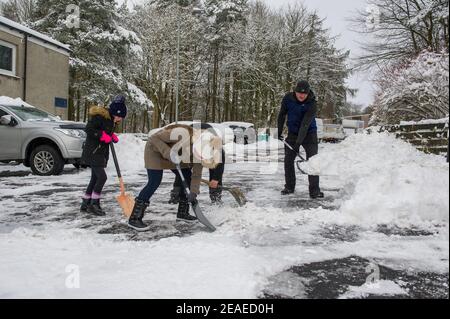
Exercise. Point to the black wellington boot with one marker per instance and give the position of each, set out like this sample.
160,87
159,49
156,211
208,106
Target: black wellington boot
174,196
183,213
94,208
287,191
135,222
84,205
317,195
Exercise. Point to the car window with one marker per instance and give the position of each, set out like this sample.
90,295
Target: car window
2,113
32,114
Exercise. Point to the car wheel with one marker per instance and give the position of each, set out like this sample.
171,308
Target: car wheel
45,160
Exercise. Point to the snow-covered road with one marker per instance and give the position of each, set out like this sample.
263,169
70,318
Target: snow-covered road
385,218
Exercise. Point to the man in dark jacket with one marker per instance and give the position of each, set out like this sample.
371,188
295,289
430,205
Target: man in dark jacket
300,108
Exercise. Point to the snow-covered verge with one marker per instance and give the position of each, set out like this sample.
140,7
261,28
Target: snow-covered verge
386,180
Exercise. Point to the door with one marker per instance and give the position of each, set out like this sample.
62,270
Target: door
10,140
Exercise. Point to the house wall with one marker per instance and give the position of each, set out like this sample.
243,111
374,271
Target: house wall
47,73
48,78
12,85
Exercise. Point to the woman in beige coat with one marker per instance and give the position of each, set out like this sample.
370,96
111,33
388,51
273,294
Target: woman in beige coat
193,149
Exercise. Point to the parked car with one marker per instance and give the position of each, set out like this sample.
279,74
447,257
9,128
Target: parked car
333,133
319,123
223,131
38,139
352,127
244,133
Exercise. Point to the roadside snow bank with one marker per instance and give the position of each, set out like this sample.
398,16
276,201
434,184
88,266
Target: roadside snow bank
386,180
130,154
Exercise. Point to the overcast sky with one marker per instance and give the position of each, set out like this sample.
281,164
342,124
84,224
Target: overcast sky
336,14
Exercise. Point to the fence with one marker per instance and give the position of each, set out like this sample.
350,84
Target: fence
428,136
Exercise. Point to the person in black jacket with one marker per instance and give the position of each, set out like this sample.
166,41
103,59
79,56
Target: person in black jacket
300,108
100,133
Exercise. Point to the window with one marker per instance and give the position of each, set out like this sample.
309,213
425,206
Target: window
31,114
7,58
2,113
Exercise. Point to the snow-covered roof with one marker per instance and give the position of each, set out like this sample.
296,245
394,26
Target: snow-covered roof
23,29
8,101
444,120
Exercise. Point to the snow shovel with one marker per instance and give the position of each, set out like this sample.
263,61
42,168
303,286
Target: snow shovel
302,160
234,191
195,206
125,201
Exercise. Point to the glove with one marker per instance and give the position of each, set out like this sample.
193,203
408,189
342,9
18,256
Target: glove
192,198
115,138
105,138
214,184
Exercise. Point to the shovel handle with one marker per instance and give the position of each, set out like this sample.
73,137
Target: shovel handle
204,181
122,186
183,180
119,173
292,149
116,162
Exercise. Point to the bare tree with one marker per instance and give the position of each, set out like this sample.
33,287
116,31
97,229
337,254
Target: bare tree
399,30
18,10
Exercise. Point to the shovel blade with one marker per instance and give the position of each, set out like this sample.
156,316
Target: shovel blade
238,195
201,218
126,202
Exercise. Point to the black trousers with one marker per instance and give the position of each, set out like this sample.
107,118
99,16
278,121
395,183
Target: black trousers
98,180
311,146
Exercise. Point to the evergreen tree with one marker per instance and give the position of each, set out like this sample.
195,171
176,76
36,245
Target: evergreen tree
104,52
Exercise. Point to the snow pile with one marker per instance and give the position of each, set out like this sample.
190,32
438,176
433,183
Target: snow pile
386,180
8,101
130,154
379,288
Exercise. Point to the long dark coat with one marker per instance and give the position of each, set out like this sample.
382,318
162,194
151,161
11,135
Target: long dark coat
96,153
